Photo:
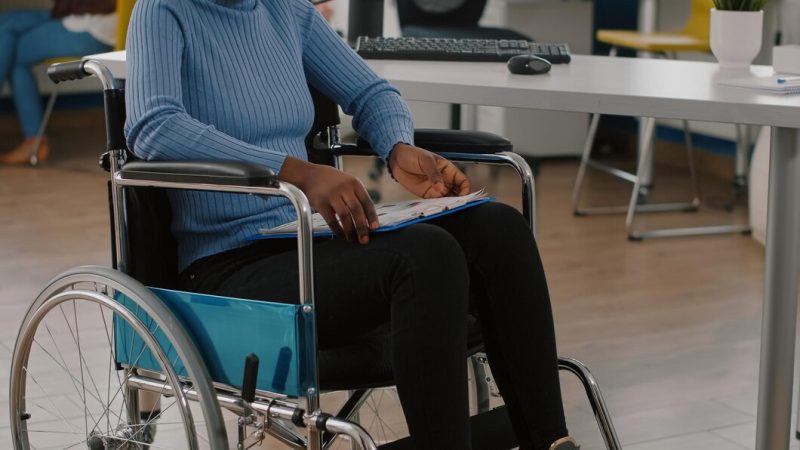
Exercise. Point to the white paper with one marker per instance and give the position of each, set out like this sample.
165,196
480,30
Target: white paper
394,213
766,84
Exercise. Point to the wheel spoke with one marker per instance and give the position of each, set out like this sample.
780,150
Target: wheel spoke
76,444
110,365
65,367
72,377
52,363
80,358
55,432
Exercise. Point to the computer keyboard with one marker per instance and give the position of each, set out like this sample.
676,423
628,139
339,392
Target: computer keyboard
445,49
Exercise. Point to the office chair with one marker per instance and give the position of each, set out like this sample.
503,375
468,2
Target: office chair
124,11
449,19
693,37
156,334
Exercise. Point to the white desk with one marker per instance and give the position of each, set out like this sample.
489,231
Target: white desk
661,89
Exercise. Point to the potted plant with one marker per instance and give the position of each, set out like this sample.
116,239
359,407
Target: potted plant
736,31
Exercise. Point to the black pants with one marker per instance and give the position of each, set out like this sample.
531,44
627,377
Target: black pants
422,279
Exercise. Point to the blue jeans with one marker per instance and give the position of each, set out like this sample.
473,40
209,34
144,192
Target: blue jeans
26,39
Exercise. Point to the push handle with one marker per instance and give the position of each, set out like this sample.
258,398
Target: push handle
250,375
67,71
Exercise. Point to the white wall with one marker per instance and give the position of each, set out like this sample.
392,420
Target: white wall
546,133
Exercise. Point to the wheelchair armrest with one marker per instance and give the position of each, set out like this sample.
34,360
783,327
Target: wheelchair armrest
460,141
442,141
225,173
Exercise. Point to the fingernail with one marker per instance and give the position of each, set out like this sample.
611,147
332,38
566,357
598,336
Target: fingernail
364,239
374,225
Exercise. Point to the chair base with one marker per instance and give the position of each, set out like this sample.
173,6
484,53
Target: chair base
642,181
33,157
689,231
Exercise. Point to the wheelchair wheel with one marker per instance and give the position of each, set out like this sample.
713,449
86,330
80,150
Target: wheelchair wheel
70,390
382,416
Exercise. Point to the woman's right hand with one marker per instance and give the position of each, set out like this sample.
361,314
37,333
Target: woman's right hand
340,198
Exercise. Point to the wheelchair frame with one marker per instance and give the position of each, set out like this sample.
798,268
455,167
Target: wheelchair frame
259,409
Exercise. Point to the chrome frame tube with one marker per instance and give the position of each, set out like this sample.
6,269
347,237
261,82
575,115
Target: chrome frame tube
25,342
645,147
613,171
585,161
272,409
115,158
687,136
520,166
514,160
304,253
742,167
705,230
102,72
357,434
482,403
230,402
596,400
290,192
644,159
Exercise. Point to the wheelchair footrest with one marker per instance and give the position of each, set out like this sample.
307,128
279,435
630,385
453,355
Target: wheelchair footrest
490,431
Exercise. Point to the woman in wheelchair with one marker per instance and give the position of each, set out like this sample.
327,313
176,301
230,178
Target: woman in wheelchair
228,80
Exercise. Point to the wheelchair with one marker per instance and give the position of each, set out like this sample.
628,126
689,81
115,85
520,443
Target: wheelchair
114,358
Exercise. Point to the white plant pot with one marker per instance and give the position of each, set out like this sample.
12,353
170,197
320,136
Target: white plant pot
736,37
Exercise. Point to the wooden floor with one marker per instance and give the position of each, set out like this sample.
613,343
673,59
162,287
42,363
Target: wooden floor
669,327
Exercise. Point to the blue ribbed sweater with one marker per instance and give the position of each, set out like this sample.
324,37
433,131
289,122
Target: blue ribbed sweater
228,80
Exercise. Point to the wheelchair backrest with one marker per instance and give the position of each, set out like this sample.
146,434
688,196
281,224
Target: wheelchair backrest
152,251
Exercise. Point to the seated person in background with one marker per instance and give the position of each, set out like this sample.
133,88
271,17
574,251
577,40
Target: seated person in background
326,10
27,37
228,80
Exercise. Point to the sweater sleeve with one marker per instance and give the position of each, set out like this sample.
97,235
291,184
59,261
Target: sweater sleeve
158,126
379,113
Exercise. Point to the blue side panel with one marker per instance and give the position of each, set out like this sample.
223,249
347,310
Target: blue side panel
130,348
225,331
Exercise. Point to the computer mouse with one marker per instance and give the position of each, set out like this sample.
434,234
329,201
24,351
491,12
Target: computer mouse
528,65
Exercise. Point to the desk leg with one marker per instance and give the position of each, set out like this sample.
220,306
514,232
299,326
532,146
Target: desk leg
780,293
645,143
648,15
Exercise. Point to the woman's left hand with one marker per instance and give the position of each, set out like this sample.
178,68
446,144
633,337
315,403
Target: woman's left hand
426,174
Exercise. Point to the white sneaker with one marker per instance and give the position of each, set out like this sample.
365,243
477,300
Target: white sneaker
565,443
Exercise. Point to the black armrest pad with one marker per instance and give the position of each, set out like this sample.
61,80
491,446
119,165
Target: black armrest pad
228,173
361,148
459,141
443,141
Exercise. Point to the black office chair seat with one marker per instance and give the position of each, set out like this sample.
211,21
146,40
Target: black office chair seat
449,19
470,32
